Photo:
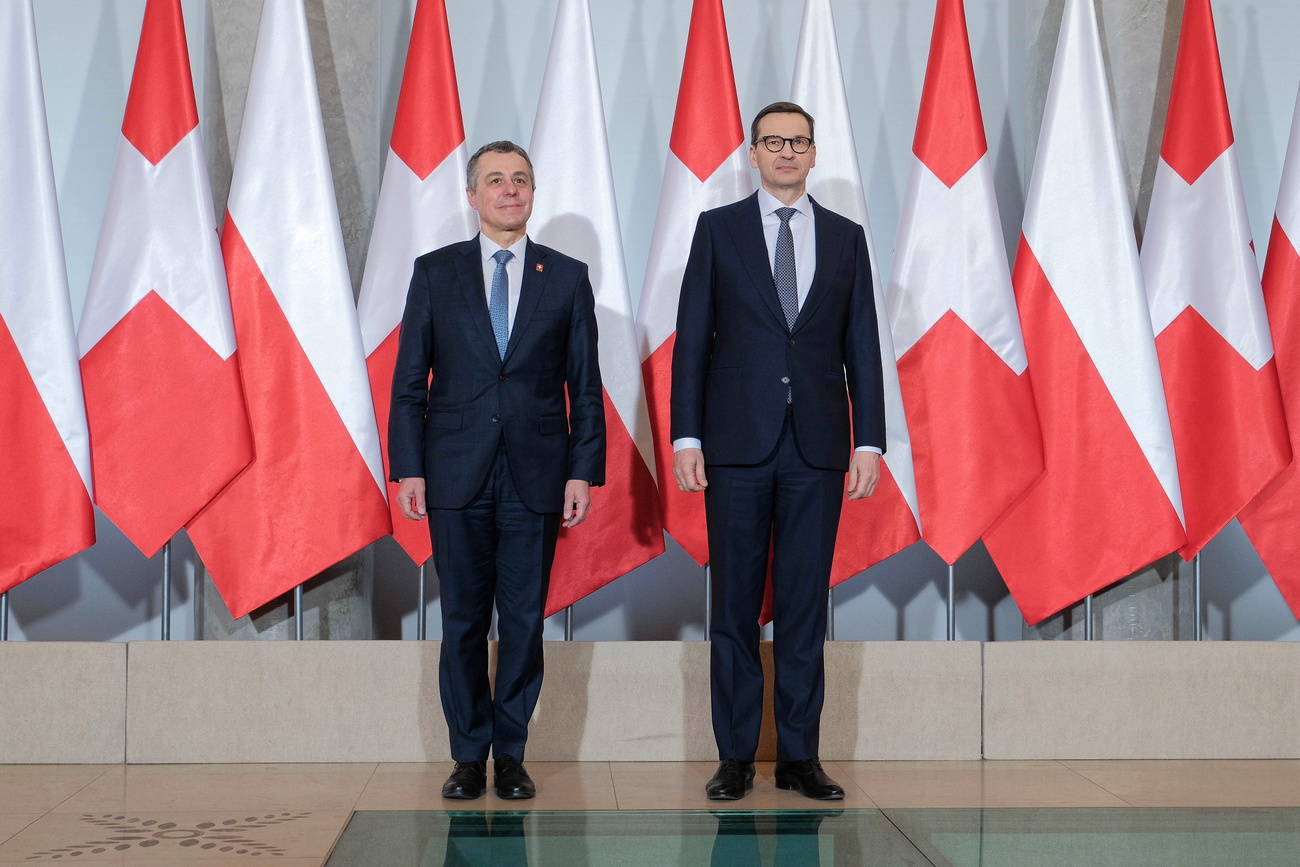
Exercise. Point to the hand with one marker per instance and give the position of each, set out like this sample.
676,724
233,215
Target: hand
577,502
688,469
864,473
410,498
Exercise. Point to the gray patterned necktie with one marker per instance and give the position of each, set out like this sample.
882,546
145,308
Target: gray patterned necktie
786,288
499,300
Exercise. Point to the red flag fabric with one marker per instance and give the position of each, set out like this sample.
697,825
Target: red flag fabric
576,213
168,429
314,493
874,528
45,505
1107,502
1270,519
422,206
976,446
1207,306
707,166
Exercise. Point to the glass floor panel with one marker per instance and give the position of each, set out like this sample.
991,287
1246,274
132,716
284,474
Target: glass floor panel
736,838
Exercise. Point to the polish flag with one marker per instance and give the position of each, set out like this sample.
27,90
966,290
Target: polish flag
45,496
884,523
707,167
577,214
1270,519
1108,502
976,446
1207,307
314,493
163,396
422,206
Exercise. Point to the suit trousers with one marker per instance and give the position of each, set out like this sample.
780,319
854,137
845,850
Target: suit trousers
791,510
498,550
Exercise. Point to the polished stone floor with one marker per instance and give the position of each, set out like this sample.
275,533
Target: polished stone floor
627,814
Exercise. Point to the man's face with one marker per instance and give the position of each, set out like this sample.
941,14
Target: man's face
504,195
785,170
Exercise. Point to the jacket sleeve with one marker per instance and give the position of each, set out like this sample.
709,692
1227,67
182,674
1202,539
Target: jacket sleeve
862,354
410,395
586,394
694,341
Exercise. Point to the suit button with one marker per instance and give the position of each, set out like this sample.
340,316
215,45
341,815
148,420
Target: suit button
503,377
790,342
496,418
785,379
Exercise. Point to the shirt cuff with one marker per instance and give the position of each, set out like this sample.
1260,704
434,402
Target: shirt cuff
687,443
869,449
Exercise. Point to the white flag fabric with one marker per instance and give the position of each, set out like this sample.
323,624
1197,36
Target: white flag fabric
422,206
961,359
314,493
1108,501
168,429
45,482
576,213
871,529
707,167
1207,306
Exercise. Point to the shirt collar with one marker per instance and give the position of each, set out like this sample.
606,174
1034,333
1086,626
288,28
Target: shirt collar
487,247
768,203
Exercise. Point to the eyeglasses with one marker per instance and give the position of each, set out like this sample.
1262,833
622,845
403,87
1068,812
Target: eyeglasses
775,143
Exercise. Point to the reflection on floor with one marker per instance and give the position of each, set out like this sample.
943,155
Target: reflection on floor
941,813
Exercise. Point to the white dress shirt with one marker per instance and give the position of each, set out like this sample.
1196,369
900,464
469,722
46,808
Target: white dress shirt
514,271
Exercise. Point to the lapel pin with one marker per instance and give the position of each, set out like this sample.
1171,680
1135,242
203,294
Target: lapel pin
540,268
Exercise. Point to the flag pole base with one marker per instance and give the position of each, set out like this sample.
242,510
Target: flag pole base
1087,618
708,599
166,628
421,625
568,623
297,613
1197,631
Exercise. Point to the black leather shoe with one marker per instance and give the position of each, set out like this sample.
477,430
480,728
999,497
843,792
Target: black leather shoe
808,779
511,780
467,782
731,781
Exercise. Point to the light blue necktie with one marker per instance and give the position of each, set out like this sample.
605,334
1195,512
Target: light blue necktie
499,300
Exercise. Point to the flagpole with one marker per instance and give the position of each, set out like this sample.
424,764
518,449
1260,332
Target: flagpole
1196,597
708,599
167,591
4,616
830,614
297,613
952,602
1087,618
420,625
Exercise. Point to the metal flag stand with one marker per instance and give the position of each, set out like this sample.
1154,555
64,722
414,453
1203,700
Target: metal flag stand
568,623
1196,597
708,599
830,614
952,602
1087,618
421,627
297,613
167,592
4,616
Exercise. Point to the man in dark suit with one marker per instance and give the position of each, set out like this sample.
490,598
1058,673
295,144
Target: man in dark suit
777,351
506,327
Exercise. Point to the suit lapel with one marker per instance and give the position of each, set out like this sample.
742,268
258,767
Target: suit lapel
829,241
469,276
745,224
534,283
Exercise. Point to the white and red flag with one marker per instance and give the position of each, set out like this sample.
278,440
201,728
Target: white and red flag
976,446
422,206
45,484
164,402
884,523
577,214
1271,518
314,493
1108,501
1207,307
707,167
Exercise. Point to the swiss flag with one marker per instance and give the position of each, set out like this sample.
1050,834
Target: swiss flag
422,206
1271,518
164,402
1108,501
871,529
1207,307
577,214
707,167
314,493
45,484
961,359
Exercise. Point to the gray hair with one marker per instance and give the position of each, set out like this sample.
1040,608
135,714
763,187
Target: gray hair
497,147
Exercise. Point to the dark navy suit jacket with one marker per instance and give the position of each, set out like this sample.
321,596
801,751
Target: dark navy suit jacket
447,429
735,357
